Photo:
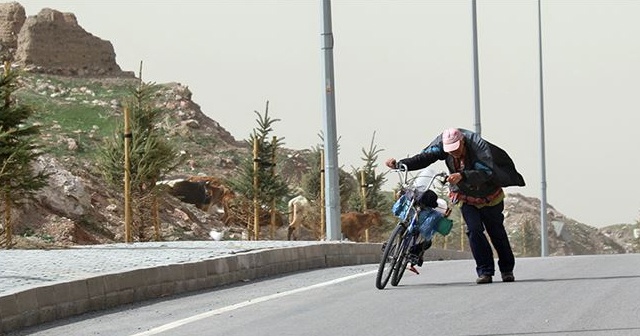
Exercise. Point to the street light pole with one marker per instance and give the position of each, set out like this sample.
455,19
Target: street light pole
476,71
332,189
544,250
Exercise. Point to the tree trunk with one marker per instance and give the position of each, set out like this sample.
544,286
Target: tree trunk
8,226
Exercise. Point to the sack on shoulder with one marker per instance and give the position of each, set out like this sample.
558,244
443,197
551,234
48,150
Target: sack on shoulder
505,171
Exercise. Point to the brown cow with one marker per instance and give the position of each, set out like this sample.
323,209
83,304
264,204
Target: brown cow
355,223
218,193
202,191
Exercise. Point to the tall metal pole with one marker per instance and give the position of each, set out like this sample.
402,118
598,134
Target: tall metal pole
332,191
544,250
476,71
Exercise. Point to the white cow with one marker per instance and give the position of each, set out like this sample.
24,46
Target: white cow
298,207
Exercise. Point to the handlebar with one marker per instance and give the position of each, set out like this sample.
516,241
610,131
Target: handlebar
403,171
444,176
409,186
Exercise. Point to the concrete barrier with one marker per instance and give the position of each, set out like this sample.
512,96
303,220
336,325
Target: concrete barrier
64,299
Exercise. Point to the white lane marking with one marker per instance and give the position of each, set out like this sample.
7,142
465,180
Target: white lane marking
218,311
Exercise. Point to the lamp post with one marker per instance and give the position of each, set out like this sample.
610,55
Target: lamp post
332,189
544,250
476,71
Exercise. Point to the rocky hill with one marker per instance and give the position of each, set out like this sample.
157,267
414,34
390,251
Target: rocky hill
53,42
565,235
77,88
77,115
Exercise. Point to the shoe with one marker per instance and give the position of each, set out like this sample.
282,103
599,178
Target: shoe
484,279
508,277
426,245
417,252
418,249
415,260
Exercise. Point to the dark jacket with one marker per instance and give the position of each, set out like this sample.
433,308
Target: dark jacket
487,166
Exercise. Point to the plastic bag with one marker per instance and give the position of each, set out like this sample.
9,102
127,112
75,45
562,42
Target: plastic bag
400,207
429,220
444,226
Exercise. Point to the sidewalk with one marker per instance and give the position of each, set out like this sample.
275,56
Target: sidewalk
24,269
38,286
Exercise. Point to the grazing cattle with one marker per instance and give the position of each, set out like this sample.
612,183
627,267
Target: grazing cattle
242,213
219,193
201,191
298,207
195,193
354,223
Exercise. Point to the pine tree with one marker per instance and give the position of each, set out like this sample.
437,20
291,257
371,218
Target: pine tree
636,241
311,180
372,184
151,156
272,188
18,150
531,239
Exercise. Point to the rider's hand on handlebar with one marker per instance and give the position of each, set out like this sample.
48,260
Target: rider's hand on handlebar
391,163
454,178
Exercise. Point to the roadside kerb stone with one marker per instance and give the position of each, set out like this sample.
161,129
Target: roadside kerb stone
25,307
39,304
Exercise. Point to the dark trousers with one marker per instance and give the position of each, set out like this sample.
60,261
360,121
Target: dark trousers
491,219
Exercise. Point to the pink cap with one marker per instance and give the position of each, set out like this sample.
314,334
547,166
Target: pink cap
451,139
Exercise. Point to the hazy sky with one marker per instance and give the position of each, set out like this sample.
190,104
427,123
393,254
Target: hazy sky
404,70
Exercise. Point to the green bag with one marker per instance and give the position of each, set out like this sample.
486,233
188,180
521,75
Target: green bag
444,226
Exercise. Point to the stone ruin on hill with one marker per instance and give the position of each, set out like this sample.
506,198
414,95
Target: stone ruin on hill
53,42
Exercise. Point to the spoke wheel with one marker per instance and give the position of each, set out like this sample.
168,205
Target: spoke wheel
402,260
389,257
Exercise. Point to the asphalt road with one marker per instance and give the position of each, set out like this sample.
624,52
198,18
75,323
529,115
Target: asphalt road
581,295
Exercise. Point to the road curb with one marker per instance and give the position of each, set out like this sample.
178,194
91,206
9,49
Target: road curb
65,299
